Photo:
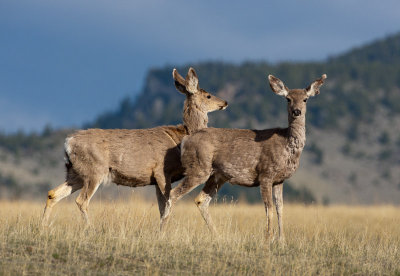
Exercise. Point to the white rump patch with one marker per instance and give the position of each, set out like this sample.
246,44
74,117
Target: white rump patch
107,180
67,145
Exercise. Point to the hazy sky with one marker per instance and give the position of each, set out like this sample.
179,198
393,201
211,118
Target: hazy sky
65,62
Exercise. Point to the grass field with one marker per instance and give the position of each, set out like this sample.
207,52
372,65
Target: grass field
124,240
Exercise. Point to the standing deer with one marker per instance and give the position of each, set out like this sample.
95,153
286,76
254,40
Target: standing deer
249,158
134,158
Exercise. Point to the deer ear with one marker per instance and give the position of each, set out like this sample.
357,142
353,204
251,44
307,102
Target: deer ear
278,86
179,81
192,82
313,89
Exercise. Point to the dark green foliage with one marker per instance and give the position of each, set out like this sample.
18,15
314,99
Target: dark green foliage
353,178
8,181
301,195
233,192
252,195
325,201
17,190
383,51
316,152
357,83
346,149
352,131
386,175
23,143
385,154
384,139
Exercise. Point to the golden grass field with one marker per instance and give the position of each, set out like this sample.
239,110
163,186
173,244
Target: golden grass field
123,239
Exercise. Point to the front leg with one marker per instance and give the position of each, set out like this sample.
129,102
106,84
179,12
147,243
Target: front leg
266,194
278,199
203,200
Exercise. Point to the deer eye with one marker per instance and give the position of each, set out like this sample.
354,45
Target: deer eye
209,97
305,100
288,100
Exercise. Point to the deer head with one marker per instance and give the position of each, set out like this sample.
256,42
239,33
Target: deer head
201,99
296,98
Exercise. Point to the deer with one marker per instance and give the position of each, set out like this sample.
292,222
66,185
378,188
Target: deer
133,157
249,158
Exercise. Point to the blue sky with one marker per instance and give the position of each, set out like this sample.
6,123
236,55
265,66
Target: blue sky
65,62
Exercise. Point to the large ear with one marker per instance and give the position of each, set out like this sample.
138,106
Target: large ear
179,81
313,89
278,86
192,82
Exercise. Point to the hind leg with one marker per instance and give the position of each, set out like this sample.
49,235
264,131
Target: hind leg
198,169
56,195
204,198
188,184
184,187
84,197
164,206
163,189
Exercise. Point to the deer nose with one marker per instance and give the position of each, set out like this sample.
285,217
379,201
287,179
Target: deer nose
224,106
296,112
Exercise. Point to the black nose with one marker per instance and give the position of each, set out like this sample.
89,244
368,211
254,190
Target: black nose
223,106
296,112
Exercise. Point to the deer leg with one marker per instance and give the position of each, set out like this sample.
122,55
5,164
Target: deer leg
184,187
188,184
266,194
161,180
55,195
278,199
195,175
162,206
204,198
164,202
83,199
198,168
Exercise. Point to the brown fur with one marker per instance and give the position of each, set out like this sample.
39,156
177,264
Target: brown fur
249,158
133,158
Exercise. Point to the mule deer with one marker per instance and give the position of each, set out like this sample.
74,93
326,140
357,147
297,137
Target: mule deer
249,158
136,157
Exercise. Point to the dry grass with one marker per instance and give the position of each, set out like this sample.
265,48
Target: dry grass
123,240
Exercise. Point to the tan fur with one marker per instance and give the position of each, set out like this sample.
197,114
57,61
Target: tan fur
133,158
245,157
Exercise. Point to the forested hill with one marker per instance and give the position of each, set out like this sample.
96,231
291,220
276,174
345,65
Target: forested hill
352,153
353,140
359,83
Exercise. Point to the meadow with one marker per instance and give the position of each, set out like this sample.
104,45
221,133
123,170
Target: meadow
123,239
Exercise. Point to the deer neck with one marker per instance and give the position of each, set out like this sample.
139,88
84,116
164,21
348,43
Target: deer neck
297,133
193,118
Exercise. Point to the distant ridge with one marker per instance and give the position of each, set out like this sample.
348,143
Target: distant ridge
352,152
353,147
374,66
385,51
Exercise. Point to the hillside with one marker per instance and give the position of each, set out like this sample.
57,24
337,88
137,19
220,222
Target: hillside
353,141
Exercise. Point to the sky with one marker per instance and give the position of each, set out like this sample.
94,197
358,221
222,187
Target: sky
65,62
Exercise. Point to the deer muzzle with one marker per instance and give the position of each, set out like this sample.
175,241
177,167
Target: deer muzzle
224,106
296,112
